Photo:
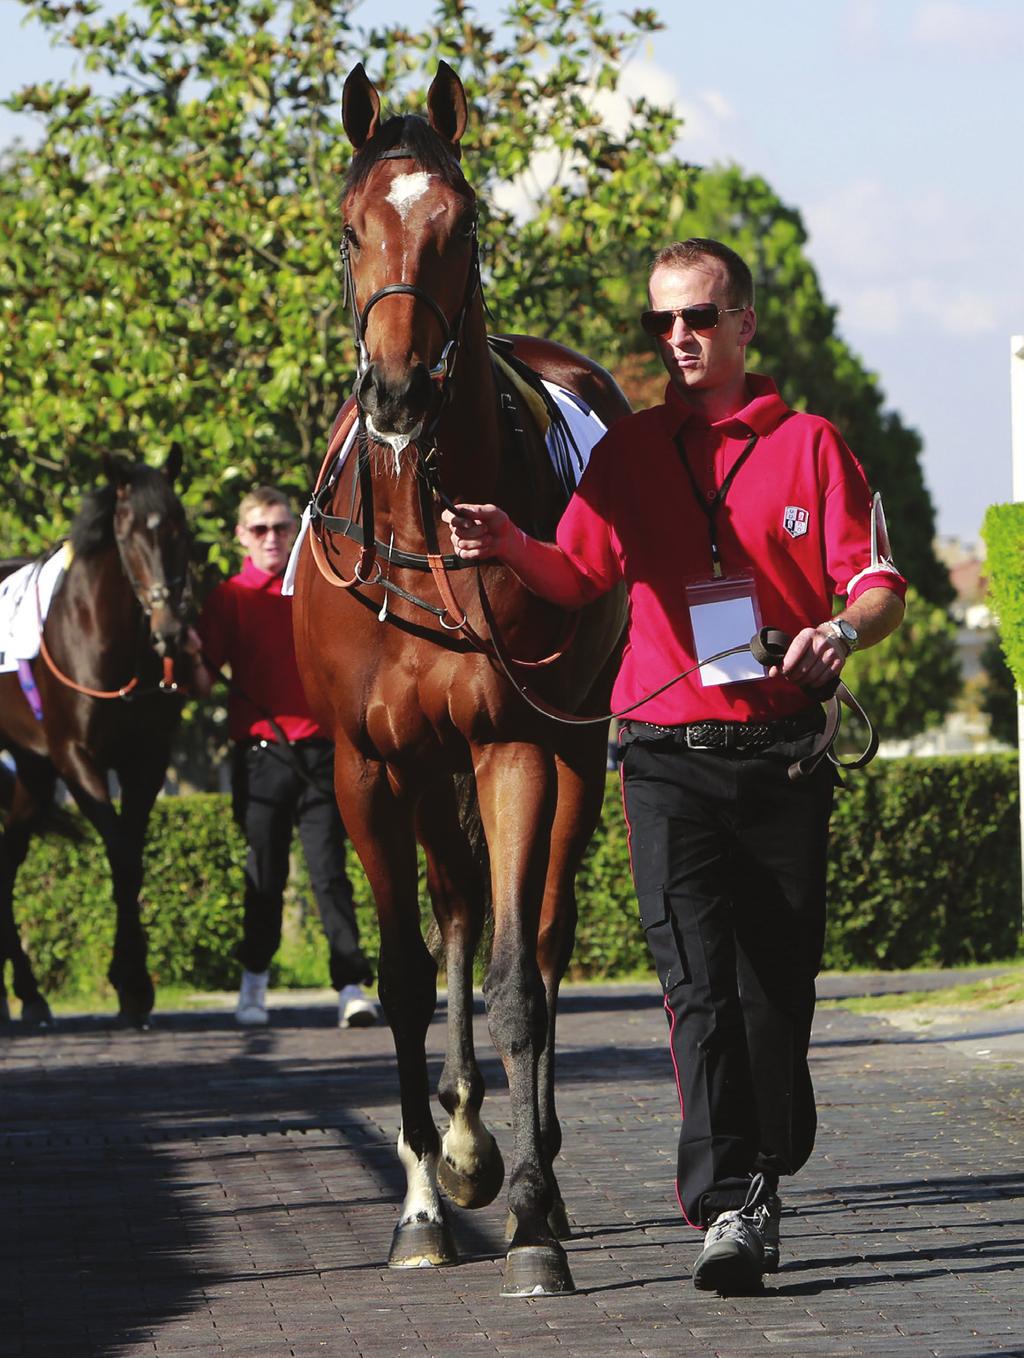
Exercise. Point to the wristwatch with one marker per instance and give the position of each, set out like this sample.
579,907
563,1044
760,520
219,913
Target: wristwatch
845,632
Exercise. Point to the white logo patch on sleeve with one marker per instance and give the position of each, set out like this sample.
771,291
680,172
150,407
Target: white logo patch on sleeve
795,521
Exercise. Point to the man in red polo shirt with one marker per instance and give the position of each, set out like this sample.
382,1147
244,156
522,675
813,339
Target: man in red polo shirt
246,623
722,510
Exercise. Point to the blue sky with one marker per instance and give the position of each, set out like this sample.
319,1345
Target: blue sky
896,127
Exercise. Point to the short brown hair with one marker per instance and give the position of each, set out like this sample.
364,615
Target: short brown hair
684,254
262,497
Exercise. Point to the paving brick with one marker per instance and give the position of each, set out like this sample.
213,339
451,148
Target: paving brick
199,1191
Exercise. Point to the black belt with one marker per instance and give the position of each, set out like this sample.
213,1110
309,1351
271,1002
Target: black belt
727,735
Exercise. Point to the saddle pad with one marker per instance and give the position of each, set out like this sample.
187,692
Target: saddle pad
22,609
586,427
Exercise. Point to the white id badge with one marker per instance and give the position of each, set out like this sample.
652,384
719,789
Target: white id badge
725,613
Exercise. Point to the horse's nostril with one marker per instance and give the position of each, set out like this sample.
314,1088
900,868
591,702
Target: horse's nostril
366,387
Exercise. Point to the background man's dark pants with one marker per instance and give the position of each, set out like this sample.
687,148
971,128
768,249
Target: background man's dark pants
728,860
270,798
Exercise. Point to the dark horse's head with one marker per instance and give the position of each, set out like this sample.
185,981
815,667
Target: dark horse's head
410,248
138,512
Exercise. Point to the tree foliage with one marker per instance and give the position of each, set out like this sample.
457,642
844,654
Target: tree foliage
168,253
908,682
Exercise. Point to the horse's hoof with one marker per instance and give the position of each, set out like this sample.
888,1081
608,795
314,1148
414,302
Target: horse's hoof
558,1223
422,1244
134,1008
473,1190
36,1014
537,1271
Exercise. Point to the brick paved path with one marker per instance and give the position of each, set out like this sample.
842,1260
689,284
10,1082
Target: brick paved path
199,1190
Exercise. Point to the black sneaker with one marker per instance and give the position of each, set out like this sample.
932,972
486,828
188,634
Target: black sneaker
732,1261
771,1215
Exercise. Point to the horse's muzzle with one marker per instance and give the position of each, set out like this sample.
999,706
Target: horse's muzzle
396,403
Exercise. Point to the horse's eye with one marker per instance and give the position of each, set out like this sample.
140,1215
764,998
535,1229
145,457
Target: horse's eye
350,236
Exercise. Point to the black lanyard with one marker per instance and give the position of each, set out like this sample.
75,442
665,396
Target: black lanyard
710,508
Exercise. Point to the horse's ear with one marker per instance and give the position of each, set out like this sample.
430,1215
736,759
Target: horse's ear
172,465
360,107
446,104
116,468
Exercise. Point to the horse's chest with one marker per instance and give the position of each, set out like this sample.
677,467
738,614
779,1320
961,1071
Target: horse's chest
433,700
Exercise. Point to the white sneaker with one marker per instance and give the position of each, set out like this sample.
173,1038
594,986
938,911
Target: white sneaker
732,1260
251,1009
354,1009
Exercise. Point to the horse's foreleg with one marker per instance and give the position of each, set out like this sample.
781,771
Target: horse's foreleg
516,786
122,838
380,827
140,781
471,1170
581,775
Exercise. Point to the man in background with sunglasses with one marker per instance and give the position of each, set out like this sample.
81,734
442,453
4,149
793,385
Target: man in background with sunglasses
722,510
282,765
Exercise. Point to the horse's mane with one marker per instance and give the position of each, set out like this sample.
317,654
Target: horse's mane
419,138
93,527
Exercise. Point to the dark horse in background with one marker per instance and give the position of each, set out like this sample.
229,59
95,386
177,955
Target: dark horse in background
400,663
114,628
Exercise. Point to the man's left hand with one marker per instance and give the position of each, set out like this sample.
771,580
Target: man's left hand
814,658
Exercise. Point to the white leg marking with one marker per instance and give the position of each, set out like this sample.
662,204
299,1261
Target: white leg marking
421,1198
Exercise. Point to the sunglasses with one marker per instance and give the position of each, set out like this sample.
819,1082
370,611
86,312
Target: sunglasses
260,530
703,316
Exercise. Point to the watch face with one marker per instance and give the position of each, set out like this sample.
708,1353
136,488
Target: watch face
849,632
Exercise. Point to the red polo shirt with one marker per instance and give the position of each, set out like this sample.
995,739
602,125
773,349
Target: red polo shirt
635,517
247,623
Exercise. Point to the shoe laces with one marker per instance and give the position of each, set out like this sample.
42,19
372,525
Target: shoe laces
744,1224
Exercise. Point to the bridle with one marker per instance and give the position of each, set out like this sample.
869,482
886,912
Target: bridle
367,569
148,599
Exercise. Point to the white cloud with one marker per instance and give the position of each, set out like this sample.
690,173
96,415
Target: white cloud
978,30
708,114
891,310
896,262
862,27
708,117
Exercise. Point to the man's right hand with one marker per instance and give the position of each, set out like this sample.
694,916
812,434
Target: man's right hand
480,532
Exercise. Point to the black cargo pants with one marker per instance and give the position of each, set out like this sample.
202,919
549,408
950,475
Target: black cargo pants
271,797
728,859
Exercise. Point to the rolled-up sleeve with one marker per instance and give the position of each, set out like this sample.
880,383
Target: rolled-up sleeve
847,527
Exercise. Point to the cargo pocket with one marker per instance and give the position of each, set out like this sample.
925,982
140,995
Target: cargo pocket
662,939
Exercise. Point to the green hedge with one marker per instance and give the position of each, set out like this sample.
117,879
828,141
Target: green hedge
925,870
1003,533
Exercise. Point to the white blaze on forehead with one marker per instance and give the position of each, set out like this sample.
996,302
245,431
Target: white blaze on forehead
407,189
152,521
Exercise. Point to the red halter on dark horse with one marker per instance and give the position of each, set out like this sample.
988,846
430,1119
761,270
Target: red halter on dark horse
105,683
402,672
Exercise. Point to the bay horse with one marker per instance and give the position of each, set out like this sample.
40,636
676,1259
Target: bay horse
412,691
109,701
